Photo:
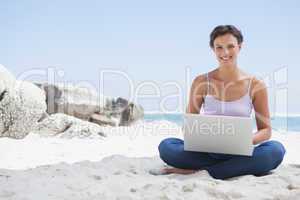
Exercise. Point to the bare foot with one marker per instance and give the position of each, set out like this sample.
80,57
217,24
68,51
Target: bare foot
179,171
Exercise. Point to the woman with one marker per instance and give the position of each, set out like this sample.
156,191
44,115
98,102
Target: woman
226,90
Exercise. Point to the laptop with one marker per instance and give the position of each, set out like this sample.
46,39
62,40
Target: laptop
218,134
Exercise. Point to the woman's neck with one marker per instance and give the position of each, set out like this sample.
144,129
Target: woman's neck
228,73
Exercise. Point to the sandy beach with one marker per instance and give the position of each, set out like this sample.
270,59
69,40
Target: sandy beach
116,167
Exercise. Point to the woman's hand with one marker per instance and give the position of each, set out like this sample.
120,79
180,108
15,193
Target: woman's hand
262,135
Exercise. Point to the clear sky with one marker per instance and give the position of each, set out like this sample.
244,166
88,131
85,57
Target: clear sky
152,42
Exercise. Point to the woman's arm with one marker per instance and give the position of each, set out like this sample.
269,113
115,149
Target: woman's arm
197,93
262,115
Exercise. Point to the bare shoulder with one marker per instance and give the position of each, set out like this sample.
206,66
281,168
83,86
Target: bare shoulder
199,84
258,83
258,87
200,78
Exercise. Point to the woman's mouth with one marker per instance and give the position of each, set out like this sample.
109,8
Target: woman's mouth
226,58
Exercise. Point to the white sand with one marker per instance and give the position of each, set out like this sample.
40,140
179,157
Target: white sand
62,168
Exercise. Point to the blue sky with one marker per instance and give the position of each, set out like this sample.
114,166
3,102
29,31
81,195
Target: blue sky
152,42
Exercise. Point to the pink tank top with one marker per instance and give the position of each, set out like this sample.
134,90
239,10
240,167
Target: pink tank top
240,107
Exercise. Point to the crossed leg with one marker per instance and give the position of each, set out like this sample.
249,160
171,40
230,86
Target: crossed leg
266,156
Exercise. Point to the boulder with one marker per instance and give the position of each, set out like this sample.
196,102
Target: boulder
22,105
74,101
103,120
26,107
88,105
67,126
7,80
130,114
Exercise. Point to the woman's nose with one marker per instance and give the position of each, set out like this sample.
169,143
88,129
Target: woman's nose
226,51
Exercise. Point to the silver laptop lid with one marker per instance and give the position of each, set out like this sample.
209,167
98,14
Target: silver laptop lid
218,134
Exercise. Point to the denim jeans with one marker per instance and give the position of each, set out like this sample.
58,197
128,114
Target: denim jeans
266,156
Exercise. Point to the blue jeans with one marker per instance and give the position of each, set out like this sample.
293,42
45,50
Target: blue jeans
266,156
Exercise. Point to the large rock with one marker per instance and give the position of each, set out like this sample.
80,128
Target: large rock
74,101
103,120
126,111
68,127
88,105
131,113
22,105
23,108
7,80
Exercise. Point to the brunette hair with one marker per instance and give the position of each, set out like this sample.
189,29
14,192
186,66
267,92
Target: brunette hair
225,29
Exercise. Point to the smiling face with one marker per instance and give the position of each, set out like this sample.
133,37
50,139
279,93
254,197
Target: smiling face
226,48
